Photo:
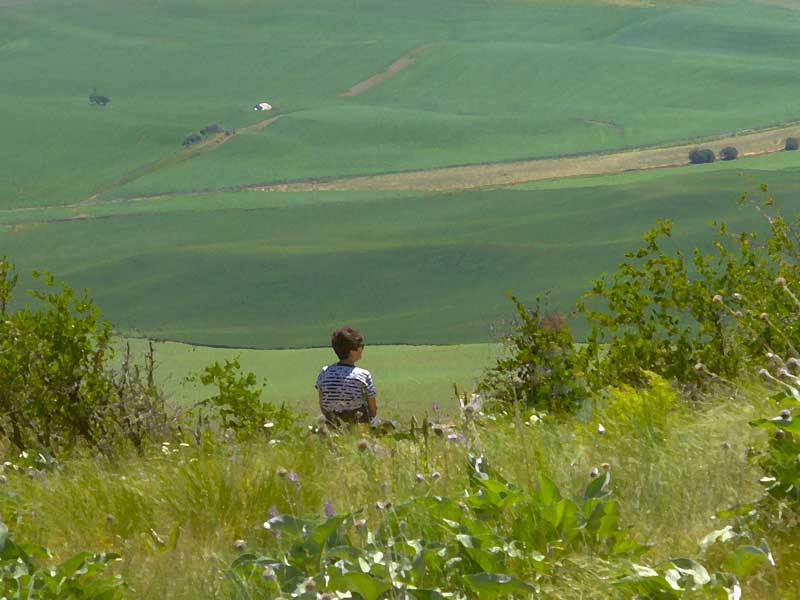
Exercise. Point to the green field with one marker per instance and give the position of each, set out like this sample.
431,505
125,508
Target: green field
496,81
493,81
409,378
282,270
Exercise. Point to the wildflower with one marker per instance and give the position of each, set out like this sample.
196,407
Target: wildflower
420,477
716,299
110,519
239,545
281,472
268,573
736,296
786,414
360,523
763,317
269,425
600,429
294,477
763,373
699,367
363,445
517,381
784,373
738,314
309,585
435,407
780,282
606,467
725,445
329,512
437,429
383,505
3,479
793,362
435,475
273,512
780,434
595,472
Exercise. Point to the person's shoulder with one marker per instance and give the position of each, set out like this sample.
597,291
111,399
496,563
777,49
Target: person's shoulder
362,372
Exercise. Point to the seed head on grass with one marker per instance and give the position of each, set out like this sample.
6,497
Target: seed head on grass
595,472
239,545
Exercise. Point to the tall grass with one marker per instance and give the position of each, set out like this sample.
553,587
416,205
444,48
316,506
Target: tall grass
175,514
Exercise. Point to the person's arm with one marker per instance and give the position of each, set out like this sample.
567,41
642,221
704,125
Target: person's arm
372,405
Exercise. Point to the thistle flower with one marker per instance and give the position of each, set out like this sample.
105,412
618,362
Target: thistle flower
606,467
595,472
763,373
763,317
435,407
780,281
725,445
309,585
793,362
716,299
294,477
239,545
786,414
419,477
329,511
363,445
780,434
738,314
435,475
699,367
360,523
383,504
268,573
273,512
736,296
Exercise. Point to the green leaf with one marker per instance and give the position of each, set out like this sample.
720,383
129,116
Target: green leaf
492,585
745,560
367,587
597,487
547,493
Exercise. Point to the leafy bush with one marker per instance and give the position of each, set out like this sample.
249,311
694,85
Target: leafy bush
81,576
728,153
701,155
540,366
791,144
686,320
238,406
491,541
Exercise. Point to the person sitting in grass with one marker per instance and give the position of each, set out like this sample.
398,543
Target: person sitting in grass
346,392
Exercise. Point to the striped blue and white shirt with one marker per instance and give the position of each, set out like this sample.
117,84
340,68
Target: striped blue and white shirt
344,387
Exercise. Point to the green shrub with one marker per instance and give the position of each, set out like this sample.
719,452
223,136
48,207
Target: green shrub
539,368
81,576
728,153
791,144
237,404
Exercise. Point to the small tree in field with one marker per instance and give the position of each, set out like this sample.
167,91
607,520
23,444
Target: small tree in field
791,144
700,156
728,153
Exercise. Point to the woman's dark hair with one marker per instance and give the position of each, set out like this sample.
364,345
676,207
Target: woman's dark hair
346,339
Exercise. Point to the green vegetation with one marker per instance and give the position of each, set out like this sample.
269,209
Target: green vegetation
406,267
493,82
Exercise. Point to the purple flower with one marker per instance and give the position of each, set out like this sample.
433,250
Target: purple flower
294,477
274,512
329,512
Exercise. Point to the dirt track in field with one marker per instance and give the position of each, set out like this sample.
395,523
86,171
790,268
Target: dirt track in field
752,143
397,66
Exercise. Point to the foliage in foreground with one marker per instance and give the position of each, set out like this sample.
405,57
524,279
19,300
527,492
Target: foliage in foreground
82,576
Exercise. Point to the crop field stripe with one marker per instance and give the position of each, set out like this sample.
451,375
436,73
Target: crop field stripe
513,173
397,66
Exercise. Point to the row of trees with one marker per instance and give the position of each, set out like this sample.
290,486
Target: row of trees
699,156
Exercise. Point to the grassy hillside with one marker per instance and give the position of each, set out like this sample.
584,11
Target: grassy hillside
409,378
282,270
491,82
